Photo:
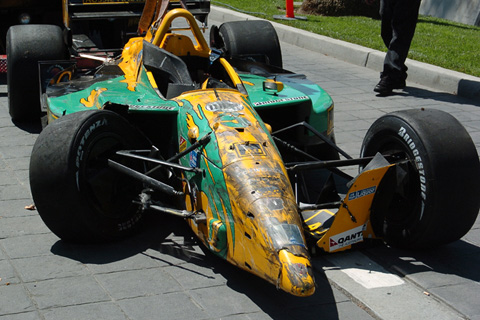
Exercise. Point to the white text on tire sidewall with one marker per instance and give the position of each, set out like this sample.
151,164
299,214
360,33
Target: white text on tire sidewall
407,138
80,150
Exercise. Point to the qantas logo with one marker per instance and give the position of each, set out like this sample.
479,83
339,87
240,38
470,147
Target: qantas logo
347,238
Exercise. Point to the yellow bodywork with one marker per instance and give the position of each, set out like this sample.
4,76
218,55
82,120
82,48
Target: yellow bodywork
260,197
352,224
257,227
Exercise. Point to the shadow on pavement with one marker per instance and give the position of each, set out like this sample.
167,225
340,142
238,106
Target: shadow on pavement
281,305
459,258
155,231
439,96
422,93
30,127
157,237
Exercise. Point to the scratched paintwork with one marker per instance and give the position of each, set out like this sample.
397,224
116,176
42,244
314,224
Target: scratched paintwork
247,185
244,191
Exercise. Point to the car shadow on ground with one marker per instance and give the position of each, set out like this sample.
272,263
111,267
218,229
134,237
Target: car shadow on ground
437,96
426,94
457,259
155,241
34,127
155,230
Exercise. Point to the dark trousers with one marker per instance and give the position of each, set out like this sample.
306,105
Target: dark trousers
399,20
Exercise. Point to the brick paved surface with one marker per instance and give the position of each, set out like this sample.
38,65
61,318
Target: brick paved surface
157,275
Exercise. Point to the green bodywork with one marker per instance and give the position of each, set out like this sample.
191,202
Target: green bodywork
145,99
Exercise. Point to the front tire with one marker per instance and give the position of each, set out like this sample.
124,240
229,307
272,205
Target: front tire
76,194
436,201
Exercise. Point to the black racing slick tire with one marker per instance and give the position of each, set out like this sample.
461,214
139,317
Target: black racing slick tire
434,198
78,196
252,39
26,46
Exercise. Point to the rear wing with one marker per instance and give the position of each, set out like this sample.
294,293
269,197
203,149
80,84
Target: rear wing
81,10
124,9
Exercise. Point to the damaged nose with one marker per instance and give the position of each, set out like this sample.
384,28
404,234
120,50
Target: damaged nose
296,276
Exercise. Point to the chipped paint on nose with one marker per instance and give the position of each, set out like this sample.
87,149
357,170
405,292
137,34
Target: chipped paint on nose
296,276
270,241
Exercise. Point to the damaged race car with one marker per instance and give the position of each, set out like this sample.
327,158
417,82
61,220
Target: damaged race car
244,151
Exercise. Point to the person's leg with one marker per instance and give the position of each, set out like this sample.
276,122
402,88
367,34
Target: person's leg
399,19
403,24
386,14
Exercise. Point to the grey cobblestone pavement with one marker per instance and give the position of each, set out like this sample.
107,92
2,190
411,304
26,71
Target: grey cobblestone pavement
160,274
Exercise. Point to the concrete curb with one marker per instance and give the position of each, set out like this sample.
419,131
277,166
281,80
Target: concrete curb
422,73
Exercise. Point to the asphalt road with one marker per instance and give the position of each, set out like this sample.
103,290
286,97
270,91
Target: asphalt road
160,274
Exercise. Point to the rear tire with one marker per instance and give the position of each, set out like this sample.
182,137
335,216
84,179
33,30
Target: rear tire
26,46
78,196
437,202
253,39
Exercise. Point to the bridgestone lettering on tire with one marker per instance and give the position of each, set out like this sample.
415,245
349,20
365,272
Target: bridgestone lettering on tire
77,195
434,199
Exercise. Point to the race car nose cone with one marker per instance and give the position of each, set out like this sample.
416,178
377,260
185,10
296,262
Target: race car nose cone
296,276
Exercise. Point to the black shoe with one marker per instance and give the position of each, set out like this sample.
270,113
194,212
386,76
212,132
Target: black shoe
387,84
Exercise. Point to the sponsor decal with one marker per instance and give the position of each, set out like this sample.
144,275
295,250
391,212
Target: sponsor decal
182,144
361,193
347,238
137,107
248,150
224,106
262,103
300,269
194,159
